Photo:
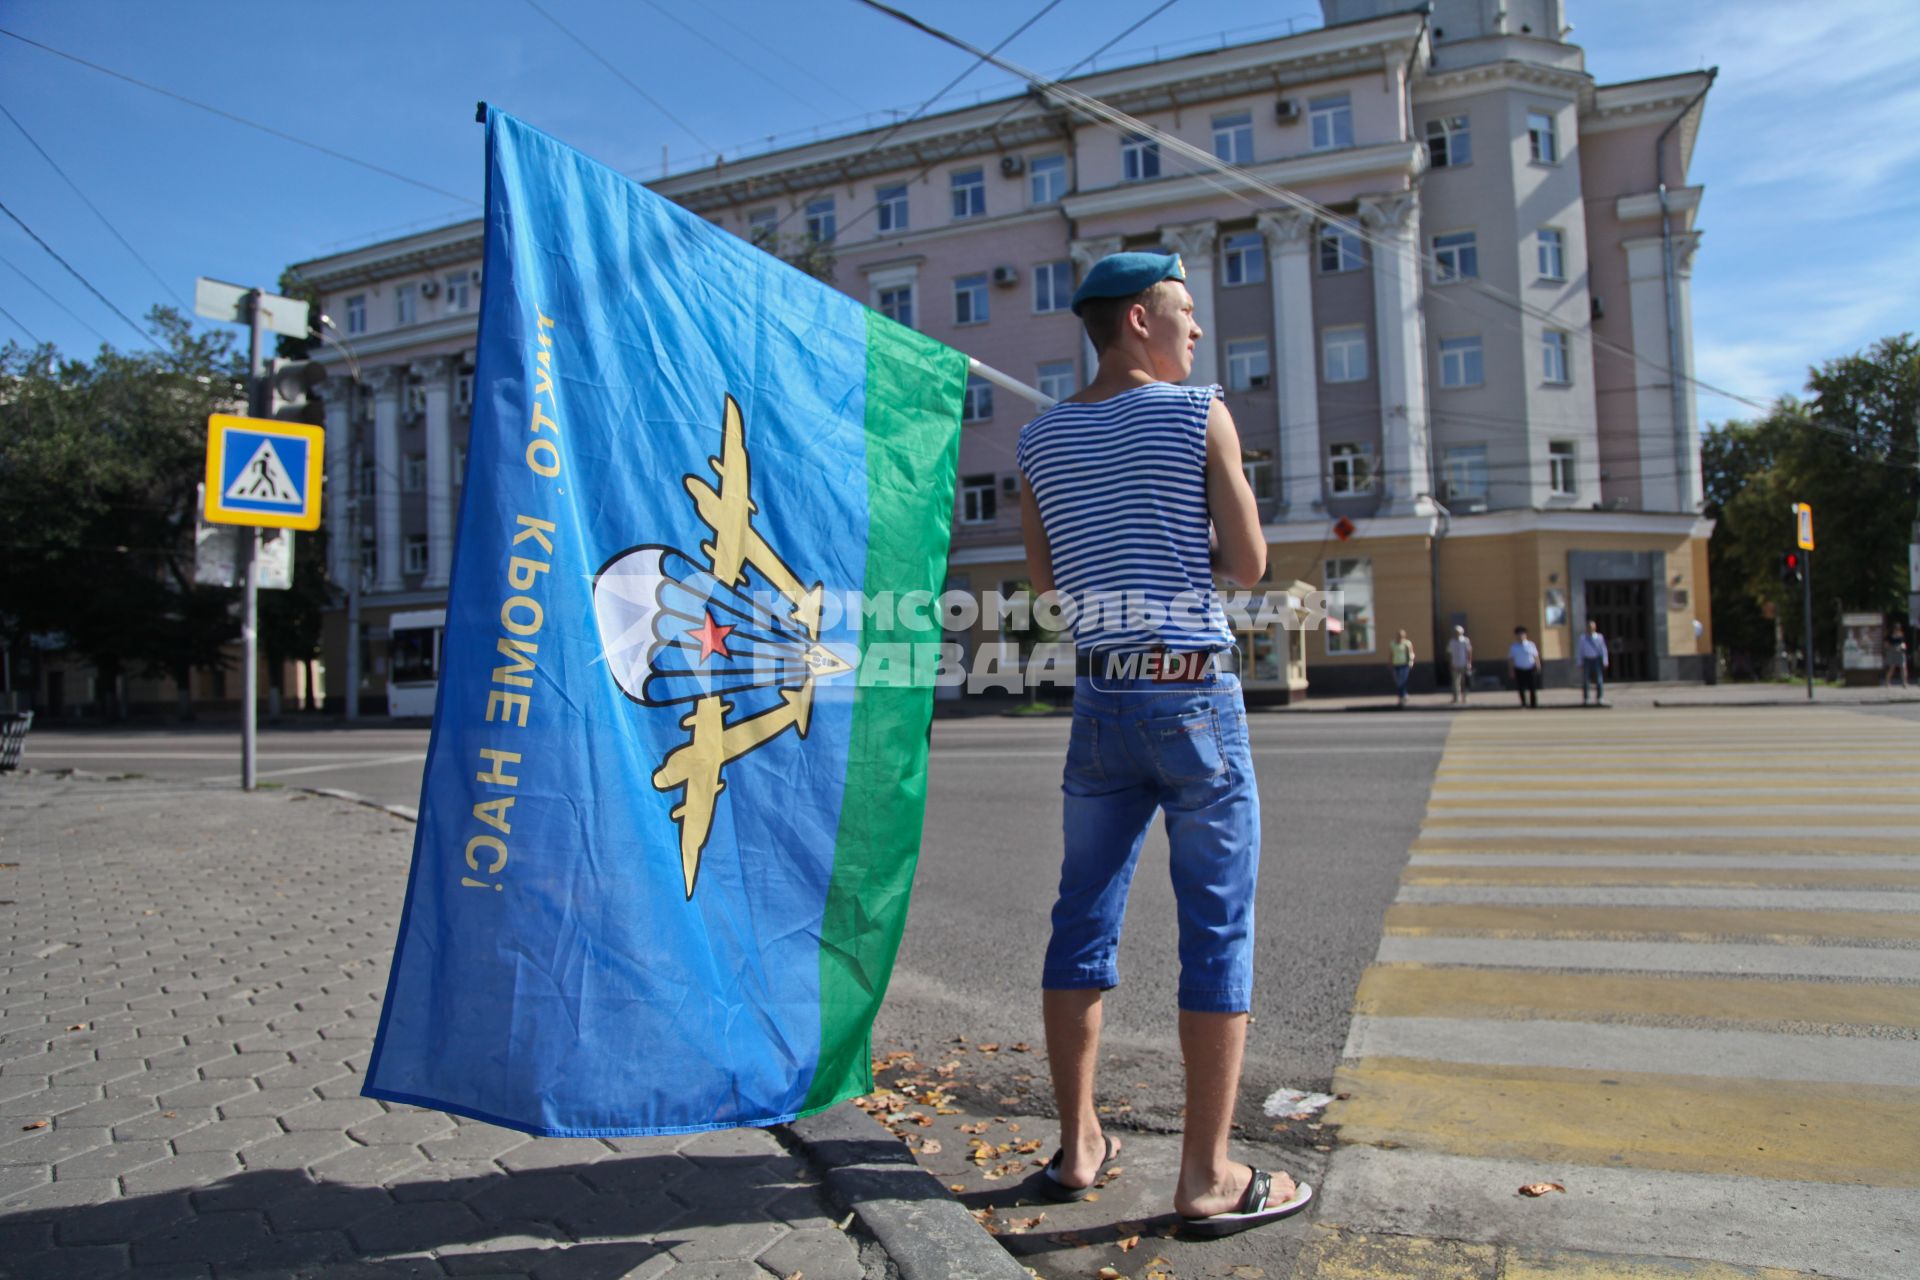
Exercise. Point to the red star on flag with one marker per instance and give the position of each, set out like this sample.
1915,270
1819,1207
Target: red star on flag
713,639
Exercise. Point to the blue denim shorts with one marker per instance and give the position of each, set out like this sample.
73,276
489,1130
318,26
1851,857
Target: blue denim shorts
1137,747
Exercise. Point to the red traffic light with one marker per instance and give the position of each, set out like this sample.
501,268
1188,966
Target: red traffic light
1793,561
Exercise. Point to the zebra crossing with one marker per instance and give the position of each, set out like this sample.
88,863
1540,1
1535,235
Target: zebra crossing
1669,961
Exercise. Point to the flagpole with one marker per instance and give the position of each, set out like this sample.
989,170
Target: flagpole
1004,382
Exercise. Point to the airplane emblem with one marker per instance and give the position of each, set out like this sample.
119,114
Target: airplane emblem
676,629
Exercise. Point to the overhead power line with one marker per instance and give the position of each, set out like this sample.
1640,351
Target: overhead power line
75,273
41,289
54,165
620,75
1234,181
281,134
22,328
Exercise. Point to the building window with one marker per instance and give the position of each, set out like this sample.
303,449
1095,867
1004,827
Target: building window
459,464
413,474
1449,142
463,390
762,226
1560,475
1553,357
821,224
1139,158
1247,364
1344,353
357,313
1351,581
970,300
460,290
977,499
416,549
896,303
1052,287
369,479
1456,256
1350,469
1465,470
1055,379
1542,144
1340,250
1332,121
891,206
405,297
970,193
1246,258
1257,466
369,559
1046,179
1553,254
976,404
1233,137
1460,362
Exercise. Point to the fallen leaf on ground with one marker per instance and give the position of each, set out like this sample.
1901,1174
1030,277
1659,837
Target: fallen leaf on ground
1540,1188
1130,1244
956,1187
37,1124
1022,1047
989,1048
931,1146
78,1026
1028,1224
980,1127
1109,1273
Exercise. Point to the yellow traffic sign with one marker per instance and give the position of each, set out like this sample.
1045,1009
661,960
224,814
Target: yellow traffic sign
263,472
1803,525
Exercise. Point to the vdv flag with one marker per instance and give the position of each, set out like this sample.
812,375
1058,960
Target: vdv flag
674,791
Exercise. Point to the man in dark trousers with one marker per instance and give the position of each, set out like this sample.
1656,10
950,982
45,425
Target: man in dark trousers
1134,491
1523,664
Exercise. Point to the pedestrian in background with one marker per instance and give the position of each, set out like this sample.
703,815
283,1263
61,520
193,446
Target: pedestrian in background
1460,659
1095,519
1896,656
1523,664
1402,665
1591,652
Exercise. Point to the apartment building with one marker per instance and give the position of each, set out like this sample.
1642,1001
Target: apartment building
1443,284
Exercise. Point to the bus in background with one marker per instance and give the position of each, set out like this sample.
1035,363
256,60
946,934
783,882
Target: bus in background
414,642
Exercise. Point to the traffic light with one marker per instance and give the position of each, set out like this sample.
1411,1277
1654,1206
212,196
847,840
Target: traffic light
1793,568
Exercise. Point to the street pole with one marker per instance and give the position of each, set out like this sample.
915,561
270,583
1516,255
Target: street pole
353,573
258,406
1806,614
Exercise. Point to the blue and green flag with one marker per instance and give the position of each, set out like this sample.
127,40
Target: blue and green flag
675,787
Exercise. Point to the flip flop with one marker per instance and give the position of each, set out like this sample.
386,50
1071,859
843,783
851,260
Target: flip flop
1254,1209
1051,1188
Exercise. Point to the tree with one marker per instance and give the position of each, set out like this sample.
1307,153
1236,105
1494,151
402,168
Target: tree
99,463
1850,452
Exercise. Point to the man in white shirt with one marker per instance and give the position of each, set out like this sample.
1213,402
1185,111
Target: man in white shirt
1591,653
1523,664
1460,661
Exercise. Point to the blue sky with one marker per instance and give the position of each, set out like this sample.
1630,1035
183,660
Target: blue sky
1809,151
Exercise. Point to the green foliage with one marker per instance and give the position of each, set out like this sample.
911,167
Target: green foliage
1850,452
98,466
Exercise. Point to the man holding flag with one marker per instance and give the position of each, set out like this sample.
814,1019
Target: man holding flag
1134,492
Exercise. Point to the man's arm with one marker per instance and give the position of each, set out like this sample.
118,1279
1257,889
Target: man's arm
1240,549
1034,534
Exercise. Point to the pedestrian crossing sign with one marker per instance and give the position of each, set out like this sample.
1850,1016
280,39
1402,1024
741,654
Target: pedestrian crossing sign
263,472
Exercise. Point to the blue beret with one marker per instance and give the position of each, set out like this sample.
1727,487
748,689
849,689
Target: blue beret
1121,275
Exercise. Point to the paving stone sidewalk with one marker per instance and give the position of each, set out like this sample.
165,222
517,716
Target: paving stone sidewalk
190,978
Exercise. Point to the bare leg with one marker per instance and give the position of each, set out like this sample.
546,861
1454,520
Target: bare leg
1213,1044
1072,1021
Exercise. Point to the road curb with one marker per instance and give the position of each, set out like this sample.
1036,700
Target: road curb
407,812
923,1229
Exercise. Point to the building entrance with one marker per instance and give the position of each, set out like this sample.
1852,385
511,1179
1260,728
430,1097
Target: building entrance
1620,607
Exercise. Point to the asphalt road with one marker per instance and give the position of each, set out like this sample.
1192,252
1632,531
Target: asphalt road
1341,799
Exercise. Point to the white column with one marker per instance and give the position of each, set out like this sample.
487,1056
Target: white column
387,383
1289,237
1687,441
1402,357
436,377
342,544
1085,254
1194,242
1652,389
